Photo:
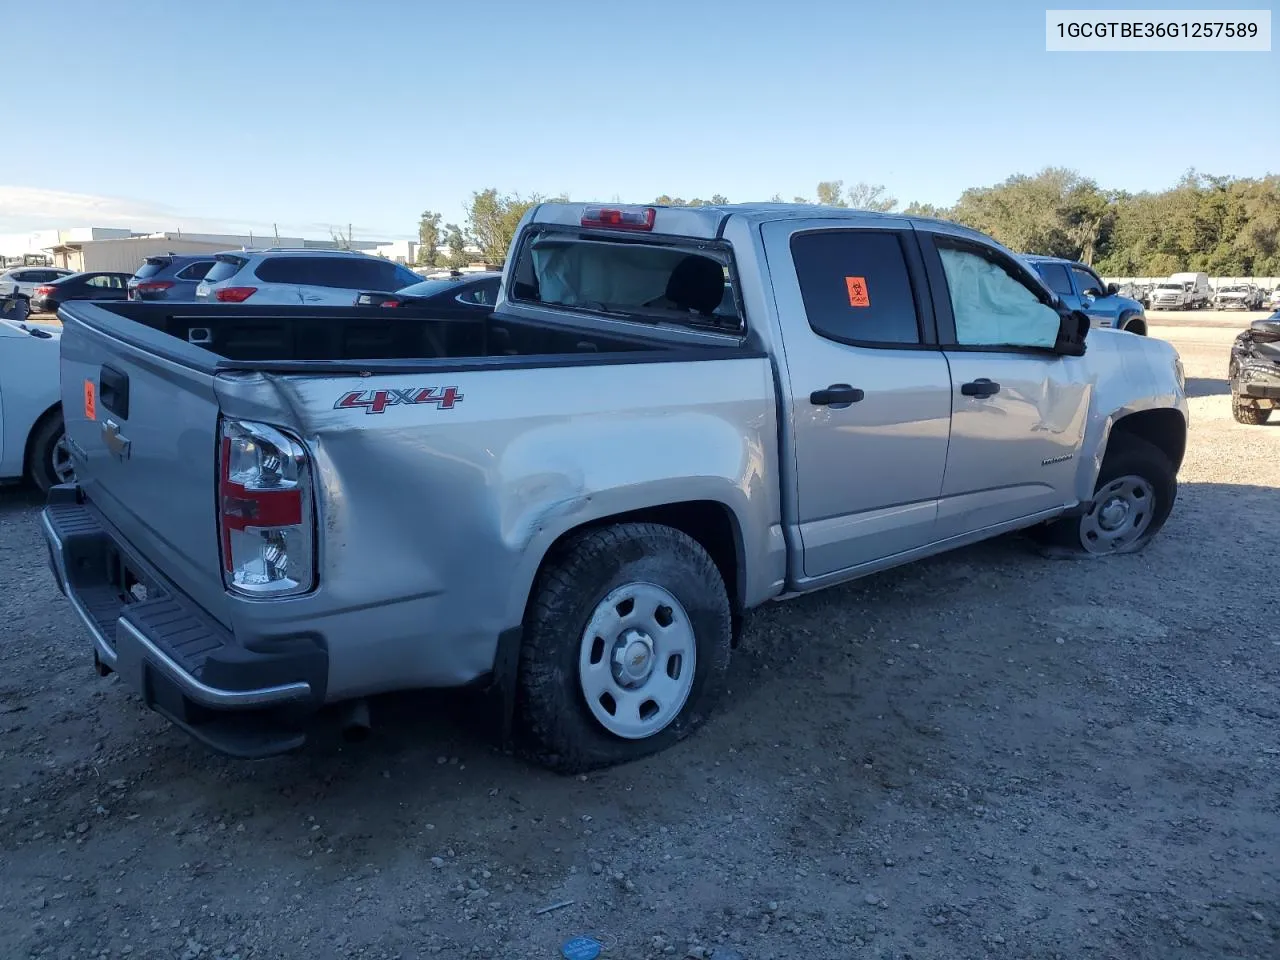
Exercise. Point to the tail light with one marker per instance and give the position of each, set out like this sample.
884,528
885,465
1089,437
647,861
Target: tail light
44,291
389,303
620,218
266,521
234,294
153,286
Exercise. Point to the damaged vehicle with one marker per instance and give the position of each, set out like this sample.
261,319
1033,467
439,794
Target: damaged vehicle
1255,371
672,415
1238,296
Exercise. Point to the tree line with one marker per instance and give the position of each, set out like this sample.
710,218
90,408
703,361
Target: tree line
1223,226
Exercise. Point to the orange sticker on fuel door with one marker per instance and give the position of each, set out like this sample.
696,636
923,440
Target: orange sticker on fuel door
90,401
857,291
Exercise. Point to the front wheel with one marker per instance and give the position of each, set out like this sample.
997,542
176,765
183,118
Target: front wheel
1247,413
626,646
1136,488
48,456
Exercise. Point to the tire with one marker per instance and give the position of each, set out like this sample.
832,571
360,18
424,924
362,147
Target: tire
46,454
582,590
1131,323
1147,502
1247,413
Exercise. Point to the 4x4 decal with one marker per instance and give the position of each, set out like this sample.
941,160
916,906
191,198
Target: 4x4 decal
377,401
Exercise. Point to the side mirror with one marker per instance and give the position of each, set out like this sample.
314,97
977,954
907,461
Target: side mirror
1073,329
1112,289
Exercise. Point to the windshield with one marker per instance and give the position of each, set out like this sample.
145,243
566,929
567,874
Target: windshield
1234,290
1168,286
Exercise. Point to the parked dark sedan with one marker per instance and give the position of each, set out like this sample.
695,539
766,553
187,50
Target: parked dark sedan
80,286
170,276
472,293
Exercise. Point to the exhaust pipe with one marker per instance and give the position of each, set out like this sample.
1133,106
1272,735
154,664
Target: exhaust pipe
356,723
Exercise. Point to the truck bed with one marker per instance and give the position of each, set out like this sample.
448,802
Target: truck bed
302,338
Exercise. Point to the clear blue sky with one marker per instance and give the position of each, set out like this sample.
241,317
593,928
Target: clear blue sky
307,114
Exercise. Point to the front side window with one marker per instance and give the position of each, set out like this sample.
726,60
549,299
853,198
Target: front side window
992,307
1087,281
855,287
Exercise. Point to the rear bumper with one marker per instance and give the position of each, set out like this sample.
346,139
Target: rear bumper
185,665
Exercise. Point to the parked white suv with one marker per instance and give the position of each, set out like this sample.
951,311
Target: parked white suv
23,281
317,277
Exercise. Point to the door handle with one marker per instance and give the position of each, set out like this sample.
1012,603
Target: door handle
838,395
982,387
116,443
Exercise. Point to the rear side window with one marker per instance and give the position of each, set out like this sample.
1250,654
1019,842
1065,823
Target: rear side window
1055,276
353,273
640,280
150,267
855,286
195,271
224,268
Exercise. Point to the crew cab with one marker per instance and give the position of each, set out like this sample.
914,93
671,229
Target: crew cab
672,416
1082,289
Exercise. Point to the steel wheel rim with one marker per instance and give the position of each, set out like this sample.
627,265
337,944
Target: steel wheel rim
636,660
60,460
1120,513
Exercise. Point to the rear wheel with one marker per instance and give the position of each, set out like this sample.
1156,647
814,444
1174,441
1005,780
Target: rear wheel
626,646
1136,488
1248,413
48,455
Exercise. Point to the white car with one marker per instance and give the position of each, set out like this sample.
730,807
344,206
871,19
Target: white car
32,443
321,278
24,280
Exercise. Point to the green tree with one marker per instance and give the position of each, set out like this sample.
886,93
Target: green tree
428,238
831,193
456,241
917,209
718,200
866,196
492,219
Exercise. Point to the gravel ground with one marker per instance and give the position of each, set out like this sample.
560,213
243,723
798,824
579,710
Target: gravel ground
991,754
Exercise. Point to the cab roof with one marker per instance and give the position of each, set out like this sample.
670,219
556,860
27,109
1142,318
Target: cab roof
707,222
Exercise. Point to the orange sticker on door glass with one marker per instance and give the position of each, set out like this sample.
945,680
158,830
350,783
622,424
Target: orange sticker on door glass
857,291
90,401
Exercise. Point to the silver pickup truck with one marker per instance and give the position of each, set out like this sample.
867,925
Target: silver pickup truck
672,416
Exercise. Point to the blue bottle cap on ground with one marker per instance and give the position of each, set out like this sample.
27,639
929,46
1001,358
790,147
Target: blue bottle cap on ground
581,948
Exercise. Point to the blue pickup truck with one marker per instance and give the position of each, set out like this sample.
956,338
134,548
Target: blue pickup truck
1082,289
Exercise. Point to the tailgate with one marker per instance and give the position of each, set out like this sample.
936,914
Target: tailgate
142,420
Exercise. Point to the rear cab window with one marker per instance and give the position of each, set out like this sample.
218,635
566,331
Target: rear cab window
660,279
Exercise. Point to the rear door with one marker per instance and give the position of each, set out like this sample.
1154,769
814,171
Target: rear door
142,428
1018,409
867,389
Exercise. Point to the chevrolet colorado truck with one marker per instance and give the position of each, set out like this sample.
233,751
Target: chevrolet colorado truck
672,416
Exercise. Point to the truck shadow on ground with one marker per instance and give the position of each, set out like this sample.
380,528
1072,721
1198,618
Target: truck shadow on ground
1207,387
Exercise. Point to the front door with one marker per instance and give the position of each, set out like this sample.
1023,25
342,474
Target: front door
866,388
1019,409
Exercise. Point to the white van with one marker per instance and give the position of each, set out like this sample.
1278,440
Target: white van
1199,294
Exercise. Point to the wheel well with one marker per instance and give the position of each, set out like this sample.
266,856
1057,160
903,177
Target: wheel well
709,522
1165,428
35,429
1134,324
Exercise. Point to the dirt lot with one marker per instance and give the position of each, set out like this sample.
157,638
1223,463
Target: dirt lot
992,754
